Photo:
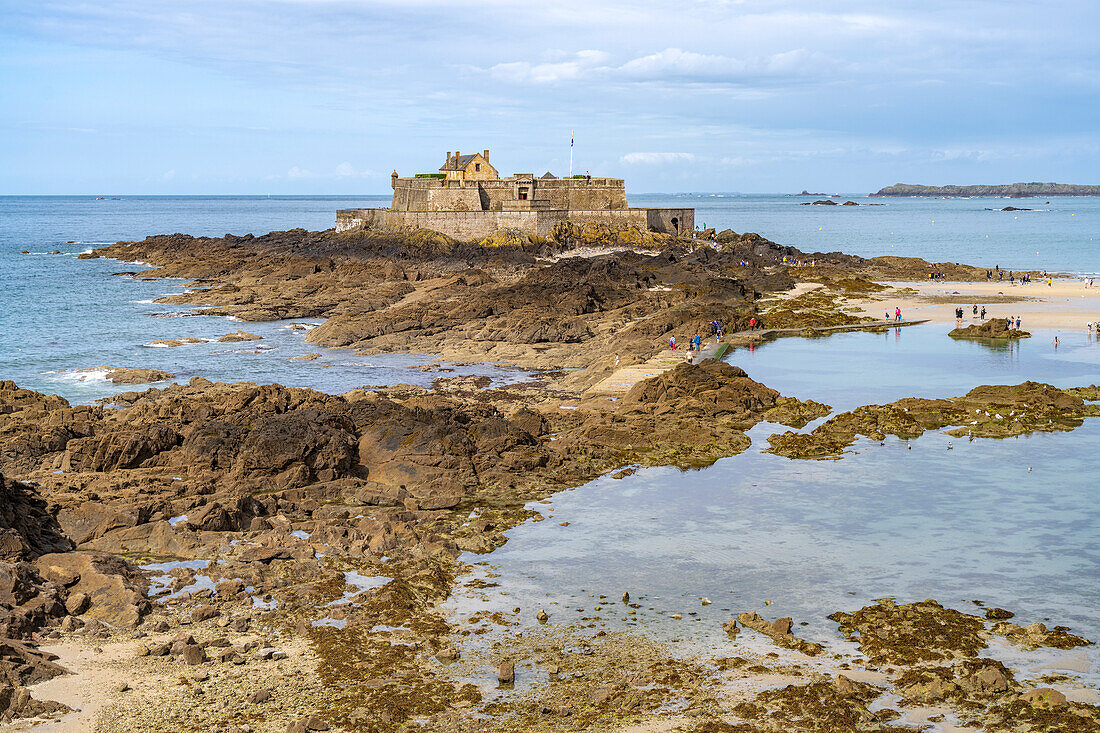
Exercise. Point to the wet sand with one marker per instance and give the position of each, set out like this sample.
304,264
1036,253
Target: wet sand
1065,305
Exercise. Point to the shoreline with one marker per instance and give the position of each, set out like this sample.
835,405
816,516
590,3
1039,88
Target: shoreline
1065,306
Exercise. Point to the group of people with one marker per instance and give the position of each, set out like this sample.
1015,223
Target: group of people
897,314
694,343
960,312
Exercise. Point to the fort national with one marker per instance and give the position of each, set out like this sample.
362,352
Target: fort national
467,199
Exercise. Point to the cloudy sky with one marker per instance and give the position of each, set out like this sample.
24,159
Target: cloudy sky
328,96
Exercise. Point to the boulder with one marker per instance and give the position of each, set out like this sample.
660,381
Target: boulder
994,328
138,376
115,590
27,527
236,336
780,632
1044,697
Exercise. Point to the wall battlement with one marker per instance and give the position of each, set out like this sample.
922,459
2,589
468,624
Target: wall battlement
433,194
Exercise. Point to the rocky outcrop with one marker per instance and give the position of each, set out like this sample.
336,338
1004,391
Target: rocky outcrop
114,591
28,602
16,702
137,376
688,416
967,684
779,631
997,411
27,526
994,328
236,336
911,633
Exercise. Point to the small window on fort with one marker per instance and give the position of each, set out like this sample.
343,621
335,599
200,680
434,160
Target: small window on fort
523,194
477,166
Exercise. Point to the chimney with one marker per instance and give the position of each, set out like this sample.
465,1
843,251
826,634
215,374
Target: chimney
485,154
448,159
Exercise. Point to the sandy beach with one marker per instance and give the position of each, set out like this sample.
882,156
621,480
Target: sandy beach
1067,304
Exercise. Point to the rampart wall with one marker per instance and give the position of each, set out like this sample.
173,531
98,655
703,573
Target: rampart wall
469,225
430,194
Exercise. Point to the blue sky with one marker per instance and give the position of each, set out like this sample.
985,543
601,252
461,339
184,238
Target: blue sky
328,96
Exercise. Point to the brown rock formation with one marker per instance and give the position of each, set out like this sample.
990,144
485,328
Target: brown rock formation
997,411
995,328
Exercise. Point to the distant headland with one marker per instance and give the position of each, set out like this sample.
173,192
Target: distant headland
1014,190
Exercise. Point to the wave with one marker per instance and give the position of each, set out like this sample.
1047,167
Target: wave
87,374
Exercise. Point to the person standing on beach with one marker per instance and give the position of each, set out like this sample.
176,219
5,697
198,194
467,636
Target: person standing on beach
983,312
1017,323
897,313
975,309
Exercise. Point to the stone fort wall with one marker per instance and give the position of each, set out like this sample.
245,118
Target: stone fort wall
477,224
577,194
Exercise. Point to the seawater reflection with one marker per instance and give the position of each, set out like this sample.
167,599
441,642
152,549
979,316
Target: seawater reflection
913,521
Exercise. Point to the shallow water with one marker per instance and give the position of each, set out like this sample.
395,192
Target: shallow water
969,523
67,315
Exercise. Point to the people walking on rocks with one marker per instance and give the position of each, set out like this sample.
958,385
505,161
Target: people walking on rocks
698,342
672,343
1017,323
752,323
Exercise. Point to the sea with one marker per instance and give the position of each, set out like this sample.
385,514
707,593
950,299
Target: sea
1011,523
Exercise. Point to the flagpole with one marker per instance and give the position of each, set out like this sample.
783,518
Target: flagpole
570,153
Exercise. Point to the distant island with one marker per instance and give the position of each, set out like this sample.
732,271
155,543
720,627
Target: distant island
1014,190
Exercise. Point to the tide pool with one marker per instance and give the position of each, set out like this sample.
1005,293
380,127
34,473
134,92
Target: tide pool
912,520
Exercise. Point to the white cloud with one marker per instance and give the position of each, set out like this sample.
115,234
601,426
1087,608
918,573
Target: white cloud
296,172
656,158
347,170
524,72
169,174
675,63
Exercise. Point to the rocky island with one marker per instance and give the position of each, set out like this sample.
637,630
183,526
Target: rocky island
1011,190
267,558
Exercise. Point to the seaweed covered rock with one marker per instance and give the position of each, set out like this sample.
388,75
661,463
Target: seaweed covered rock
1038,635
688,416
780,632
994,328
989,411
970,683
911,633
839,705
